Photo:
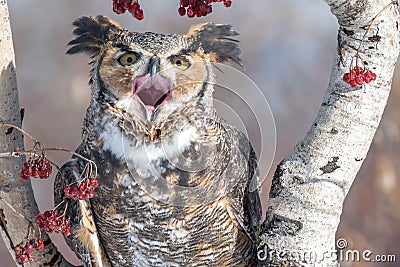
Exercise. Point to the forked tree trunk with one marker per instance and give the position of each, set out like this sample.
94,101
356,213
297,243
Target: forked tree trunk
17,203
309,186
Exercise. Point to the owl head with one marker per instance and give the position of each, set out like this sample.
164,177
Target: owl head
152,74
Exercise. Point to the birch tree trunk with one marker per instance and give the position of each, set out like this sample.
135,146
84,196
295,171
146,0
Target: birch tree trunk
17,203
309,186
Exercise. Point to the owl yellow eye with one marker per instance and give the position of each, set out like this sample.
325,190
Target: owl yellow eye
128,59
180,62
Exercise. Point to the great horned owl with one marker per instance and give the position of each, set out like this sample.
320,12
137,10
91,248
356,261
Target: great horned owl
174,178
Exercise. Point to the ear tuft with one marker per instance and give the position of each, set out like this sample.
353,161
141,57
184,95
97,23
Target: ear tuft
215,39
92,34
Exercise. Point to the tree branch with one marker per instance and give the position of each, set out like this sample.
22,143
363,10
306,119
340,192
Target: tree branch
309,186
16,195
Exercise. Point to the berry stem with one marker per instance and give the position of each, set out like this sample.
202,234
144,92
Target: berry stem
19,129
65,208
372,23
35,150
59,204
30,228
90,170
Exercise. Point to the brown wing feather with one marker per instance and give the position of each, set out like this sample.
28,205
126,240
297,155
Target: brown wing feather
84,240
245,201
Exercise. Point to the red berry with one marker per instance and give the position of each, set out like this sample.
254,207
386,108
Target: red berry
28,248
358,70
359,79
21,259
25,166
82,187
227,3
67,191
133,8
118,8
202,7
182,11
39,244
53,224
82,195
346,77
352,75
38,218
93,182
185,3
139,14
367,78
190,12
30,258
126,3
67,231
353,83
18,250
35,172
90,194
372,75
54,214
40,247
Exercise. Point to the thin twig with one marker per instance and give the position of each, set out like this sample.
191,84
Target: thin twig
40,149
58,205
19,129
372,23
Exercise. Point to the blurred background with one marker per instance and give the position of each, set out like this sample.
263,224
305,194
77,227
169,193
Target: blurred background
288,48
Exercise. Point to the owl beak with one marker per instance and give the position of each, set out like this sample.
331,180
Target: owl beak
151,93
154,68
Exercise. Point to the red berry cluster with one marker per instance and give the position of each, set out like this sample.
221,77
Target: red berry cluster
133,7
358,76
83,190
199,8
38,167
23,253
50,222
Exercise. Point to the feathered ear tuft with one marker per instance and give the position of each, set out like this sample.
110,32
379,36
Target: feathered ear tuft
92,34
215,40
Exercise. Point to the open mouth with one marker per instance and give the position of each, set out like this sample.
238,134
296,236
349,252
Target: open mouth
151,94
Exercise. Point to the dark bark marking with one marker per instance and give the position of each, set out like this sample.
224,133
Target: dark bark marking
22,114
276,186
283,226
3,225
9,131
375,38
334,131
348,32
298,180
331,166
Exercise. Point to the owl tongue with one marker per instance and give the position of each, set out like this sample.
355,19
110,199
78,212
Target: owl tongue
152,93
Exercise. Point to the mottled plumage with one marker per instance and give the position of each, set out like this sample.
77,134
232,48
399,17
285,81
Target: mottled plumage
173,177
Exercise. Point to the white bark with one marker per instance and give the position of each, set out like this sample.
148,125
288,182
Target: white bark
16,196
309,186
